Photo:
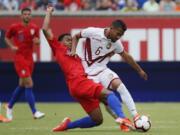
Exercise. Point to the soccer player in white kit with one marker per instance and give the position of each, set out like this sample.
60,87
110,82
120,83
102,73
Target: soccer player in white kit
100,45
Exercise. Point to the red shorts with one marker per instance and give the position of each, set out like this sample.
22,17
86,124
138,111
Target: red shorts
23,67
86,92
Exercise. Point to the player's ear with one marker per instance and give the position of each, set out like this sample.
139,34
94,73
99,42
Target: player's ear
78,35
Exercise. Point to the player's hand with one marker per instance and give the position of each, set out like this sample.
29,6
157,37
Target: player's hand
143,74
14,48
73,54
36,41
50,8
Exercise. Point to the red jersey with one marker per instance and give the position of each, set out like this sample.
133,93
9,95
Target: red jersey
23,37
71,66
85,91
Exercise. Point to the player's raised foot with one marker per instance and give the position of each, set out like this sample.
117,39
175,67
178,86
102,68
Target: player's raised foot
9,113
38,115
4,119
125,122
62,126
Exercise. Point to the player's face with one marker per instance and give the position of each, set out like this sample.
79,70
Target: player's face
115,34
26,16
67,40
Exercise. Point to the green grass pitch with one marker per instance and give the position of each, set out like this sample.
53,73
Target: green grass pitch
165,119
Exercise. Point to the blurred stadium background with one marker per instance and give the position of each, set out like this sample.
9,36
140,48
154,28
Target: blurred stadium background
152,38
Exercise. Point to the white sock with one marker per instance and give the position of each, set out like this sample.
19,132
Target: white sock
127,99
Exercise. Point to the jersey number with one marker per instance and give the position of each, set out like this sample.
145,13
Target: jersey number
98,51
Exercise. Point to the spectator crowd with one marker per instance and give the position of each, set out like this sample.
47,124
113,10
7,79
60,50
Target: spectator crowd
98,5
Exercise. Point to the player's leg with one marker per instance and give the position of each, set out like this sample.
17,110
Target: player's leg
20,67
16,94
108,109
105,78
0,112
97,79
123,127
115,106
14,98
28,83
125,96
98,92
2,118
94,117
110,80
112,102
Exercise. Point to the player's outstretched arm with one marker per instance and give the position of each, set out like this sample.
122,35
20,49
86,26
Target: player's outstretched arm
46,24
129,59
75,39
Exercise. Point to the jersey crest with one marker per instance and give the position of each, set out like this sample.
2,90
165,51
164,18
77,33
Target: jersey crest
32,31
108,46
23,71
21,36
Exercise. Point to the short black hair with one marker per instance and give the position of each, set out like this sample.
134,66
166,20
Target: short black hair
60,38
25,9
119,24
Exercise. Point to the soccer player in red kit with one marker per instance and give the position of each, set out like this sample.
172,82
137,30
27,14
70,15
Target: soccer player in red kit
21,37
85,91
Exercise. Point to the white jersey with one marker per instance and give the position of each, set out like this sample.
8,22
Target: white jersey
97,50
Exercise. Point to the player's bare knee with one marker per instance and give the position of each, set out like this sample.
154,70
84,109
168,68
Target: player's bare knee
96,116
115,84
28,83
104,94
21,84
98,121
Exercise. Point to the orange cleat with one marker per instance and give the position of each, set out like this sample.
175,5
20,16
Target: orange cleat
62,126
124,128
3,119
126,123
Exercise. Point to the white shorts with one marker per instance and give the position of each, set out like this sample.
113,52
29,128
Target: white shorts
105,78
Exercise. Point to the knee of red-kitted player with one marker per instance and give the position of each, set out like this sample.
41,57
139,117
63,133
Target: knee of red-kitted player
98,121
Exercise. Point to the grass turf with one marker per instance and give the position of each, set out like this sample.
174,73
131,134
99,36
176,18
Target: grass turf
165,119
